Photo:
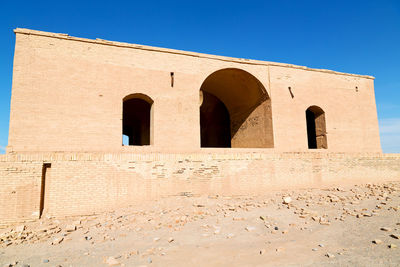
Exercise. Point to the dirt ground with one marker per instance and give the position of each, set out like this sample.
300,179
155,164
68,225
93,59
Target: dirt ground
355,225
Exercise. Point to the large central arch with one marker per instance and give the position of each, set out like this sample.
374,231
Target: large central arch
234,99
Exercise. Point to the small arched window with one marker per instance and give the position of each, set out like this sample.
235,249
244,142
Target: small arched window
137,120
316,128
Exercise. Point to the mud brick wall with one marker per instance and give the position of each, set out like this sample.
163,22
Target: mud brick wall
86,183
69,92
20,183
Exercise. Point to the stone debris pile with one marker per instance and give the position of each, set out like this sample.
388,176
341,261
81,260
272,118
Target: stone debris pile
276,218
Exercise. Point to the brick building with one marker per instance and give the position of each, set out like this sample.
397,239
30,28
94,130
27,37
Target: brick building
131,122
74,94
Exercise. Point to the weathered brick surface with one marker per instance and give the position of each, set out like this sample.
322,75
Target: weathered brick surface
19,189
67,96
84,183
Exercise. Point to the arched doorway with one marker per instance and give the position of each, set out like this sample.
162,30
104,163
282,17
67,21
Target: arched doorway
235,111
316,128
137,119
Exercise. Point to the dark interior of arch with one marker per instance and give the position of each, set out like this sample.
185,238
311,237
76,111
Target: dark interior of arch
247,104
215,122
136,121
316,128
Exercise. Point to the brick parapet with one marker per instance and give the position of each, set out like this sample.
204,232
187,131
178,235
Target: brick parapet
180,52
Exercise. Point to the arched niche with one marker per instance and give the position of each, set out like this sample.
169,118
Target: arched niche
235,99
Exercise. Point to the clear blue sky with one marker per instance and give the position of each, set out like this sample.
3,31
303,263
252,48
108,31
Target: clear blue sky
360,37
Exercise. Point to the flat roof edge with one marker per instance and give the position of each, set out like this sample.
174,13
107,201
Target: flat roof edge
181,52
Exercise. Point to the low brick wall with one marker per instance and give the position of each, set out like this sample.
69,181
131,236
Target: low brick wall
19,189
86,183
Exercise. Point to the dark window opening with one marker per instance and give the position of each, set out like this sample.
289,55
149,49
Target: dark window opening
136,120
43,187
316,128
312,136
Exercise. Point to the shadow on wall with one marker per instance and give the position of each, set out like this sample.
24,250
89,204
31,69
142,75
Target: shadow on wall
235,111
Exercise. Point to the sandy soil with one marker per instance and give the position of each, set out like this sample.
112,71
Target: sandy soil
349,226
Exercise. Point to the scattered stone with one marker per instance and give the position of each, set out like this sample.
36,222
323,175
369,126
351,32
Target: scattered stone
250,228
111,261
287,200
134,252
395,236
46,230
57,240
333,198
70,228
20,228
230,235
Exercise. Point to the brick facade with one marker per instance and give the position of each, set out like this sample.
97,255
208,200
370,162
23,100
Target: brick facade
67,95
65,154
